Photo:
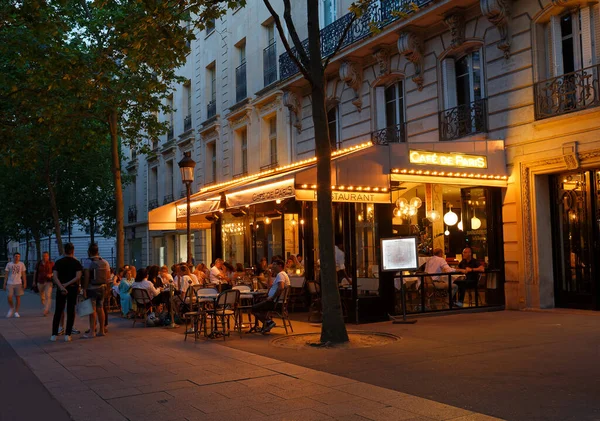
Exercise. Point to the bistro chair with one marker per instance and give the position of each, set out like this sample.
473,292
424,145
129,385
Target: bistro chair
315,314
190,315
205,304
245,304
297,294
480,291
224,310
281,309
143,305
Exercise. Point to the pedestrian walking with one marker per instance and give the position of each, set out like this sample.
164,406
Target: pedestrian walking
97,283
15,282
66,274
42,279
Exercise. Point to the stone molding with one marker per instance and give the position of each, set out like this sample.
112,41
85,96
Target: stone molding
455,21
293,103
570,155
411,47
351,74
498,13
382,55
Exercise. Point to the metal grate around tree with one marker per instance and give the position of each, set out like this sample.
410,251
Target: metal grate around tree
464,120
378,14
391,134
567,93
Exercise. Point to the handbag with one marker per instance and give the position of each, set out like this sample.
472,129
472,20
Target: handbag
84,307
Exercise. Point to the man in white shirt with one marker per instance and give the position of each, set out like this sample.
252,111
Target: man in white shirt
14,282
340,262
437,264
216,272
261,310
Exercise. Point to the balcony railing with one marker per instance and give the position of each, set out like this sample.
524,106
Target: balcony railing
132,214
270,64
464,120
187,123
568,93
170,133
167,199
240,83
211,109
152,204
379,14
182,193
391,134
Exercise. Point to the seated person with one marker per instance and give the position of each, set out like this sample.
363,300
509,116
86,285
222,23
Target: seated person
216,275
142,282
261,310
240,273
437,264
290,266
472,268
164,275
201,273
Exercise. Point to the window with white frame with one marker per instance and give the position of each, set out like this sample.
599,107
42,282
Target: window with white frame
211,162
242,146
188,96
394,104
168,181
210,26
333,125
211,90
270,56
327,12
272,124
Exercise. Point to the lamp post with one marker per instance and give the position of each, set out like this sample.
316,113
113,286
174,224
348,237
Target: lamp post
186,166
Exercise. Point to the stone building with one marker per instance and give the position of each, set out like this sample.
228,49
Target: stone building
463,123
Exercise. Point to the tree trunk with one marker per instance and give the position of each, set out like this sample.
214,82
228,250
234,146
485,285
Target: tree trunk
113,121
55,216
333,329
92,230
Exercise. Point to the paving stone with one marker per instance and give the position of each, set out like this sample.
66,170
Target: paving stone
427,408
350,408
388,414
300,415
324,379
333,397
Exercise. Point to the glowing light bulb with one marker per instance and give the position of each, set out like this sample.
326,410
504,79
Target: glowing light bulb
475,223
446,233
450,218
267,220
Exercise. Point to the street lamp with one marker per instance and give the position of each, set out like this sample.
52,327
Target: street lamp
186,166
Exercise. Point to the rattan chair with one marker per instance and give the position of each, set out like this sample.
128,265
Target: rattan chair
224,310
281,309
315,313
143,304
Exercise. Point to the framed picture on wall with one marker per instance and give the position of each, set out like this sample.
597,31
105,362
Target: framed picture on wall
399,253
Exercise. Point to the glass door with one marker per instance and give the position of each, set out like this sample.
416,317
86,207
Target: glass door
573,239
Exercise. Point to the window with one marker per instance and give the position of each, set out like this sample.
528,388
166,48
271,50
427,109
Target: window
240,75
188,97
169,180
244,150
211,77
332,121
210,26
171,110
394,105
270,56
468,79
273,139
328,12
211,158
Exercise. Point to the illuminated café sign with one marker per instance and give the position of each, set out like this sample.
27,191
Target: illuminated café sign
199,207
267,193
345,196
447,159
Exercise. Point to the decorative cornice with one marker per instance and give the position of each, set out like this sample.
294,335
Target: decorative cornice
382,55
210,129
351,73
292,102
168,148
242,116
410,46
498,13
456,24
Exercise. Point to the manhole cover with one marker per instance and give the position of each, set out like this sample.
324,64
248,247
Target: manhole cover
357,340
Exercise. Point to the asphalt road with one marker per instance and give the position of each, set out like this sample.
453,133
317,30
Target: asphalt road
512,365
22,396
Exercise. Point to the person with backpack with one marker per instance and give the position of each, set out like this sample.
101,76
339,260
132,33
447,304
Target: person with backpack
96,278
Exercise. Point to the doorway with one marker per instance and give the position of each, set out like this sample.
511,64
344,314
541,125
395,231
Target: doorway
575,234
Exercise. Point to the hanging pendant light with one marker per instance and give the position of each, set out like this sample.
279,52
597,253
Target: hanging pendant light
460,225
434,216
446,233
450,218
475,221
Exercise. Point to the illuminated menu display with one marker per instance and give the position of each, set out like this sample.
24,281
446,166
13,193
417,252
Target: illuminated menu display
457,160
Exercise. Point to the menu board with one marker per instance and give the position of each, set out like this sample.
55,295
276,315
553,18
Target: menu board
399,253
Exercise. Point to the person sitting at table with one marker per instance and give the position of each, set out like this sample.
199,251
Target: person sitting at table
125,291
216,272
290,266
261,310
164,275
184,279
201,273
472,268
229,273
240,273
142,282
437,264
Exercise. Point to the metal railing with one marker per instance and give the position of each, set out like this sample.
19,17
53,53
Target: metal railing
240,83
378,14
211,109
391,134
132,214
567,93
167,199
463,120
270,64
423,294
182,193
187,123
152,204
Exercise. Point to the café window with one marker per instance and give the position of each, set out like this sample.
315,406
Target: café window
367,268
234,239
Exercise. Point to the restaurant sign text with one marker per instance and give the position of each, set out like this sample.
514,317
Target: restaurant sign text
447,159
346,196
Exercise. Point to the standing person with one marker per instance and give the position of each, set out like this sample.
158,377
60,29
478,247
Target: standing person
42,277
340,261
15,280
66,274
96,282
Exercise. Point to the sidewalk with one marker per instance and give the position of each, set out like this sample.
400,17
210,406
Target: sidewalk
152,374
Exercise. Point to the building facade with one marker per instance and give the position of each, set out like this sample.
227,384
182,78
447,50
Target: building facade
465,122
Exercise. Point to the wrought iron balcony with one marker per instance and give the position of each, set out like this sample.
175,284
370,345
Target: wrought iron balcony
391,134
240,82
132,214
567,93
464,120
187,123
211,109
379,14
167,199
170,134
270,64
182,193
152,204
